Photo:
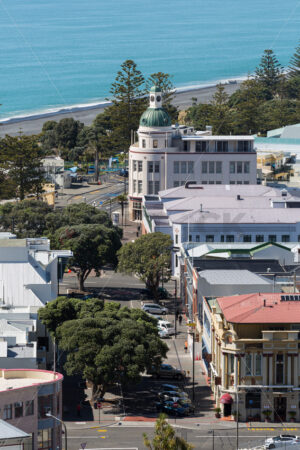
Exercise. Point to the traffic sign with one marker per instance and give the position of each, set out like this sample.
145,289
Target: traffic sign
100,203
99,405
191,324
83,445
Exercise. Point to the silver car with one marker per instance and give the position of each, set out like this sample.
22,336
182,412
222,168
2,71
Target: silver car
154,308
282,441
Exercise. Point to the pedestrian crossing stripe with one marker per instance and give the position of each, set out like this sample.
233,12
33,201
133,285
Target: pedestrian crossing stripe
271,429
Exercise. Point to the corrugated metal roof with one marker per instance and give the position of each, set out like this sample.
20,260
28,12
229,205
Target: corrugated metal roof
233,277
8,431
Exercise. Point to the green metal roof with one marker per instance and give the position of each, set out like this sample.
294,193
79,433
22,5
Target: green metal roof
155,117
155,89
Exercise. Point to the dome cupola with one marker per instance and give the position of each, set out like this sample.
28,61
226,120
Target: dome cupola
155,115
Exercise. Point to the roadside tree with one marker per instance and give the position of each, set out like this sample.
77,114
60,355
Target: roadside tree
93,246
105,344
20,160
149,257
165,437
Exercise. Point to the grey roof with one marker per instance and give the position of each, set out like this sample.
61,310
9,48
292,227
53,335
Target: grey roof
291,132
13,243
8,431
233,277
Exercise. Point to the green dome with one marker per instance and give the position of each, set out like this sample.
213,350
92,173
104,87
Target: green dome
155,89
155,117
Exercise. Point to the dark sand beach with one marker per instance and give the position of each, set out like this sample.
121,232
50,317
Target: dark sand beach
33,125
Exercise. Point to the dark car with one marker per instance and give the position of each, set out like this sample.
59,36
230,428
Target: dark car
171,387
174,408
167,371
167,395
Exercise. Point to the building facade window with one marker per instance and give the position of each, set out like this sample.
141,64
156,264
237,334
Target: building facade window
140,166
156,187
272,238
247,238
156,167
209,238
190,166
211,167
150,187
176,238
229,238
143,143
201,146
239,167
248,363
150,167
285,238
259,238
18,409
134,186
45,438
204,182
197,238
134,165
185,146
258,364
183,167
206,323
222,146
279,369
155,143
44,405
190,238
246,167
244,146
176,184
232,167
211,182
7,412
176,166
140,186
29,408
218,166
204,166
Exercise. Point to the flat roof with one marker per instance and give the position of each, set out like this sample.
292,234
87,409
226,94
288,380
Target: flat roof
233,277
189,137
21,378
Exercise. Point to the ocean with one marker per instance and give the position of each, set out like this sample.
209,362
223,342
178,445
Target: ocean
57,53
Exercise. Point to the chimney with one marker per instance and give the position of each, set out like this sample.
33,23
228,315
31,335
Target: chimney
265,302
200,207
189,183
238,197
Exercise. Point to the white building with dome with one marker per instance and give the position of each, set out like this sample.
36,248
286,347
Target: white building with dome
168,156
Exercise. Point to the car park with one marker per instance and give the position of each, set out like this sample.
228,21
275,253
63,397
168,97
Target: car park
167,371
168,326
282,441
154,308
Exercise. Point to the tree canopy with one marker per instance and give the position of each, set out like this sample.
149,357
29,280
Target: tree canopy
149,257
165,437
20,162
93,246
105,343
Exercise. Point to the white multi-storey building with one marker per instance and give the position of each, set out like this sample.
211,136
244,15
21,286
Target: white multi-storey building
167,156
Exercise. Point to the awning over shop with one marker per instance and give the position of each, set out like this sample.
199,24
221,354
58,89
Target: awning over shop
226,399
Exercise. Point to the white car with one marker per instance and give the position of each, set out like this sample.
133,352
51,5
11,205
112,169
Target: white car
154,308
168,326
162,333
282,441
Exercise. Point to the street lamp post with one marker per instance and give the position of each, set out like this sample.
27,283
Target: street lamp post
175,309
63,424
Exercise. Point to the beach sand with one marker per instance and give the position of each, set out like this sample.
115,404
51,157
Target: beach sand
183,99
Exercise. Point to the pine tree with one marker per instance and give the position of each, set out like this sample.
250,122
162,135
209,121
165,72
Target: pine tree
163,82
269,74
165,437
221,115
295,64
128,102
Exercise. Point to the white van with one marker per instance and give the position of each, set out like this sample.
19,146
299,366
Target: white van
168,326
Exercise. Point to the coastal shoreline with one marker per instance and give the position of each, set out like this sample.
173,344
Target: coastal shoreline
32,124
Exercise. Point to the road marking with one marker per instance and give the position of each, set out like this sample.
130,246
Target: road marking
102,431
77,197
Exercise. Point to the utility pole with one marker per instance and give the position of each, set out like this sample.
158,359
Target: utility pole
237,418
175,307
193,366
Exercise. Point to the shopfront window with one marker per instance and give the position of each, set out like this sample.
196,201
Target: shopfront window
279,369
45,439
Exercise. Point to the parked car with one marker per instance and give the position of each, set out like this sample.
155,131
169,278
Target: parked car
165,395
154,308
171,387
163,333
174,409
282,441
168,326
167,371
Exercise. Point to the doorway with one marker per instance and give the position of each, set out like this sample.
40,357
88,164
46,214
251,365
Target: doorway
227,409
279,409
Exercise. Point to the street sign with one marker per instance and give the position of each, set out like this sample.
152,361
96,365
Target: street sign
99,405
192,324
83,445
100,203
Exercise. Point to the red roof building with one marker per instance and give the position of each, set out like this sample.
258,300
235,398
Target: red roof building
261,308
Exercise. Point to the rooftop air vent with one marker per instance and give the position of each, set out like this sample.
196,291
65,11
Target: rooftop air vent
290,298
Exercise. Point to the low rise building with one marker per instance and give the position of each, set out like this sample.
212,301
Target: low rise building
166,156
26,396
254,360
12,438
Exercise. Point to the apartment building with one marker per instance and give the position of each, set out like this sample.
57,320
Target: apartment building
167,156
26,396
254,355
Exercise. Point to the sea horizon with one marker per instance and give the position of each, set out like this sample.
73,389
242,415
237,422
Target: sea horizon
65,54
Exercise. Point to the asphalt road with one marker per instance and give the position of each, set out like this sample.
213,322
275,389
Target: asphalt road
130,437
